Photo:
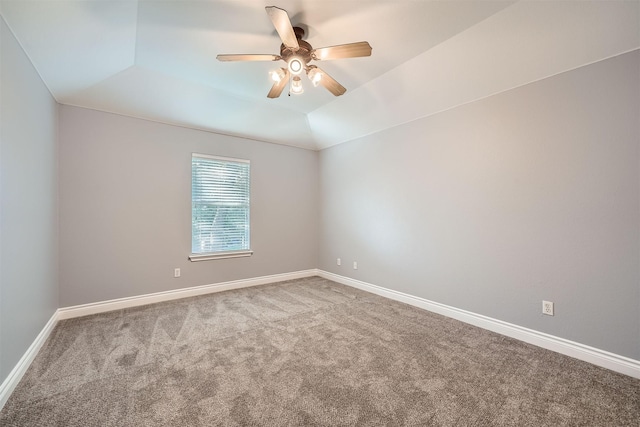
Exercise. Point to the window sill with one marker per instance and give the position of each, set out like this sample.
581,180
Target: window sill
220,255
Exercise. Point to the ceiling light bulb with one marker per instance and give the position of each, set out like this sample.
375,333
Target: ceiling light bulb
315,76
296,85
295,65
277,75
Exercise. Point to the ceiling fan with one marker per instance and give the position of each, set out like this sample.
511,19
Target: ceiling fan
297,53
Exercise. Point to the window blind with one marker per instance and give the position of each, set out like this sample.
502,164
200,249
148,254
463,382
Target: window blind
220,190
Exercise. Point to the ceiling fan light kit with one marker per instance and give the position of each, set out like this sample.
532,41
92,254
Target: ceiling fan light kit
297,53
295,65
314,75
296,85
277,75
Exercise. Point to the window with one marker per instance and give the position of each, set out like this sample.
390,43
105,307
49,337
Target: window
220,189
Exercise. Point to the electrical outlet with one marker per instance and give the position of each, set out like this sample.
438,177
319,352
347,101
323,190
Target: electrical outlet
355,265
339,261
176,272
547,308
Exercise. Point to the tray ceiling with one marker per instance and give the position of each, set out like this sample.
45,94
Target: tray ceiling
156,59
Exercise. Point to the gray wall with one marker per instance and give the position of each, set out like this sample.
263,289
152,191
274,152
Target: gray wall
125,207
28,209
491,207
496,205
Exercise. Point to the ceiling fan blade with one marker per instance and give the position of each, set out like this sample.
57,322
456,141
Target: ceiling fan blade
281,21
257,57
277,87
331,84
349,50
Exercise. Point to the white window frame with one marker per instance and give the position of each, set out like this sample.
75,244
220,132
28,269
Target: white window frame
220,255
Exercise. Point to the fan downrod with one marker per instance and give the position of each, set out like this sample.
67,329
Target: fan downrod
299,31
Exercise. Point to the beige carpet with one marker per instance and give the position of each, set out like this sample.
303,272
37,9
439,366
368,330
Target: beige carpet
305,352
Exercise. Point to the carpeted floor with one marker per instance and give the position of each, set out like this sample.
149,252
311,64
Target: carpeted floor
305,352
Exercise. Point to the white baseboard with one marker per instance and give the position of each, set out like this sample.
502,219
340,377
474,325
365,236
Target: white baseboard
605,359
14,377
120,303
598,357
10,383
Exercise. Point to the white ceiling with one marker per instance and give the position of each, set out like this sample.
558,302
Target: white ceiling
156,59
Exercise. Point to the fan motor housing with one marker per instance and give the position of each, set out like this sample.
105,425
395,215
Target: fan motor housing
303,53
